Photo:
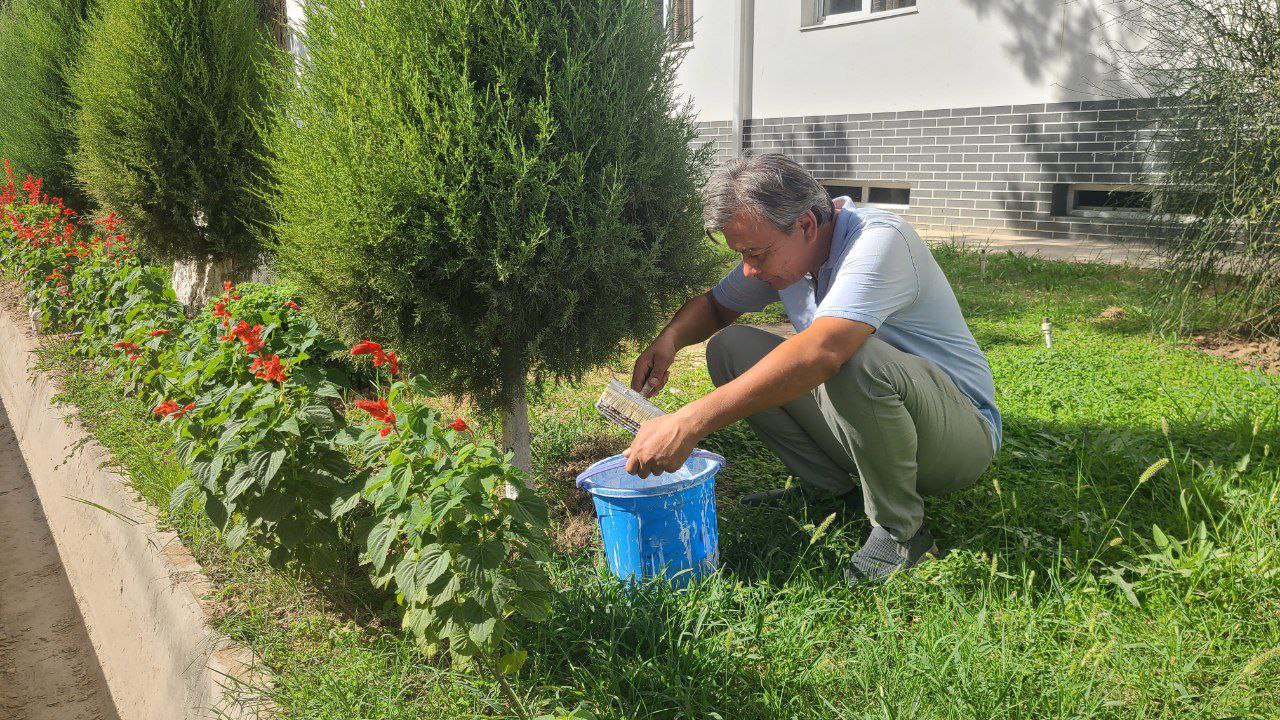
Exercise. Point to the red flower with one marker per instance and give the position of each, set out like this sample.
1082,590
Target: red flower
269,369
367,347
134,357
460,425
159,331
53,276
110,222
125,345
220,309
165,408
228,286
253,339
250,336
390,360
380,358
169,408
379,410
292,305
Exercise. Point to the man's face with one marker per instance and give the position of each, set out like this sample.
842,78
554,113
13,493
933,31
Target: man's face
775,257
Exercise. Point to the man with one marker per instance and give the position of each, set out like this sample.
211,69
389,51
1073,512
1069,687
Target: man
882,379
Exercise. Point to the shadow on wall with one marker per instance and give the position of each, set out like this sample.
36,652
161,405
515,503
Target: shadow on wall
1064,34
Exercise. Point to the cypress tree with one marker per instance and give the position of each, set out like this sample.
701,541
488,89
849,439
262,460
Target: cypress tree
40,41
168,95
505,189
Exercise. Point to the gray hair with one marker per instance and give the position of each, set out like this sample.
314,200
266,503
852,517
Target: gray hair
772,187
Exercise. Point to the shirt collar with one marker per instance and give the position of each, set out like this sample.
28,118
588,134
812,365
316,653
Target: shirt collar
848,223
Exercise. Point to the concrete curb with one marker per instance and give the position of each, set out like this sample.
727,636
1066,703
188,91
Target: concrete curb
142,595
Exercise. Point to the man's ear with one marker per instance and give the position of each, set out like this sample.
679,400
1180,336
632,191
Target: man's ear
809,225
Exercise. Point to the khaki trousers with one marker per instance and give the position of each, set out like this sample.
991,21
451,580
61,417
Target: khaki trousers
895,419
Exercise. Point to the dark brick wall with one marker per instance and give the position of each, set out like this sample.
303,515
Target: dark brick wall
974,171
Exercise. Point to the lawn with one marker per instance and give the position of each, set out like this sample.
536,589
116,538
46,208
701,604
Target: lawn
1120,560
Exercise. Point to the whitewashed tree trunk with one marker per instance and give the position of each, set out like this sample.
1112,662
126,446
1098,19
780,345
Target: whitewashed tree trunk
516,436
197,281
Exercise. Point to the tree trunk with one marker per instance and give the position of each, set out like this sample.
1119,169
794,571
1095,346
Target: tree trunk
516,435
197,281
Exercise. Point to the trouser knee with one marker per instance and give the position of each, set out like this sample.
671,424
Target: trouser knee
731,352
863,375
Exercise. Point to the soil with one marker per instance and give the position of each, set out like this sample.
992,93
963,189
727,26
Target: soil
574,517
1263,355
48,667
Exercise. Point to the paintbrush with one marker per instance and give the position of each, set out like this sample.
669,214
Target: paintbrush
626,407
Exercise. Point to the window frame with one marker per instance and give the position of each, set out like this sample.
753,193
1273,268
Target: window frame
672,39
1092,211
819,17
865,187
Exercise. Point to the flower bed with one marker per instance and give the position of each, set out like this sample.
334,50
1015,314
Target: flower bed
259,403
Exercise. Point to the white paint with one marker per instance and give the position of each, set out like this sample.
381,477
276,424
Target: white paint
951,53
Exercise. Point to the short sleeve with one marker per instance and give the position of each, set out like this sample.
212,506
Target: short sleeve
739,293
876,278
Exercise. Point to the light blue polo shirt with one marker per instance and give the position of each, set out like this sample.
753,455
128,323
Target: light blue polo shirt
881,273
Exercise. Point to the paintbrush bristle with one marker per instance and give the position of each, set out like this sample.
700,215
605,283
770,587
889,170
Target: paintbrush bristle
626,407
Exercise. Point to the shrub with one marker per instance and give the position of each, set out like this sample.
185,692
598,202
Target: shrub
39,42
166,93
1217,148
498,187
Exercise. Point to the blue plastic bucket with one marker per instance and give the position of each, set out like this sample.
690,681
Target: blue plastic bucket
662,525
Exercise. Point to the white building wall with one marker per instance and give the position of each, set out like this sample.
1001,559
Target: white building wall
706,75
950,53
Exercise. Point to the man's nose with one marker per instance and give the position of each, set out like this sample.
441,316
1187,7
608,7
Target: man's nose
749,270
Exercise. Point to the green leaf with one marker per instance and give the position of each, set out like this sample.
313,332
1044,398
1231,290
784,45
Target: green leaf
320,416
535,606
240,480
433,561
290,531
511,663
216,511
1162,540
273,466
343,505
235,537
275,505
483,631
178,498
378,542
290,425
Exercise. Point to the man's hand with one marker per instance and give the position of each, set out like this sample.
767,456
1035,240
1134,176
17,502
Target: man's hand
661,445
652,367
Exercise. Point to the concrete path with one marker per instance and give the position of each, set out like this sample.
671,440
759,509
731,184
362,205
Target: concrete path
48,667
1116,252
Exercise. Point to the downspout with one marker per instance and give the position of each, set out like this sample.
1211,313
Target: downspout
743,44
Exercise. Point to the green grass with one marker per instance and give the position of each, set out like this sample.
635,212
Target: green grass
1057,597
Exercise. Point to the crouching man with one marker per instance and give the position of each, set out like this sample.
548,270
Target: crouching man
882,381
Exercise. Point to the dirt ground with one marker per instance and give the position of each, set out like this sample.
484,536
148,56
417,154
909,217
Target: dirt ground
48,668
1260,354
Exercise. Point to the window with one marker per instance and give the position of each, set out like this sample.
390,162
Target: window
1101,200
677,18
1112,200
868,194
890,196
843,11
836,190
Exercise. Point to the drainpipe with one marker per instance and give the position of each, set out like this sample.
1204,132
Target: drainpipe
743,42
